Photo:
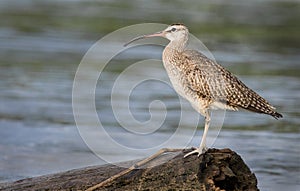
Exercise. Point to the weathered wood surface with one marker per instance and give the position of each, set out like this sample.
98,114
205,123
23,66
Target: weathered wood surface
214,170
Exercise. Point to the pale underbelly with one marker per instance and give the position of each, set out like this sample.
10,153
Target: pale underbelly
182,89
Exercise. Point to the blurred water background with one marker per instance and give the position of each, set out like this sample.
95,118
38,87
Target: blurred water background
42,43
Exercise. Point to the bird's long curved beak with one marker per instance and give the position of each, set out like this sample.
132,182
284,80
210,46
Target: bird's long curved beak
160,33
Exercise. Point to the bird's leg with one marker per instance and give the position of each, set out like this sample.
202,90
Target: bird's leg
202,148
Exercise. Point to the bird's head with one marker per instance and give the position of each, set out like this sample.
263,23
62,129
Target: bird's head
173,32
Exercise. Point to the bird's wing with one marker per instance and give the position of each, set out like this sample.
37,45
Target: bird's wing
208,78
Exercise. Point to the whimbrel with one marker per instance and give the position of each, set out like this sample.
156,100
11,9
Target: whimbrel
203,82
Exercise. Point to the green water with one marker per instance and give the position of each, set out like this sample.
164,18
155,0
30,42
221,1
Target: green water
43,42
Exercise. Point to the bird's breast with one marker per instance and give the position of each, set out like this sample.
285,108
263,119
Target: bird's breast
178,80
175,76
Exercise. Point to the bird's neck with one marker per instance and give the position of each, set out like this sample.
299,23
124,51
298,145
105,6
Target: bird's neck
174,49
178,45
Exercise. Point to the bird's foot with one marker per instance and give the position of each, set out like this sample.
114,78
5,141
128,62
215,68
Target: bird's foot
198,150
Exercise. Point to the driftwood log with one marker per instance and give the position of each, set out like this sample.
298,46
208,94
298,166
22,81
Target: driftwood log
214,170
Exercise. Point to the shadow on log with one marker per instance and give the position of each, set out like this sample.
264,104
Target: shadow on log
214,170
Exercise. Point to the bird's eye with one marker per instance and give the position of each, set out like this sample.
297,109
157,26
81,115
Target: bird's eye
173,29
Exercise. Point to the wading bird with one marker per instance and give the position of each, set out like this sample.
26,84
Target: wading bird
203,82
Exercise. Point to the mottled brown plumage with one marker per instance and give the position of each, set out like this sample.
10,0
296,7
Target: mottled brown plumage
203,82
218,84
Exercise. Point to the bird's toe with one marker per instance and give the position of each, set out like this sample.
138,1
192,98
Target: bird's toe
198,151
